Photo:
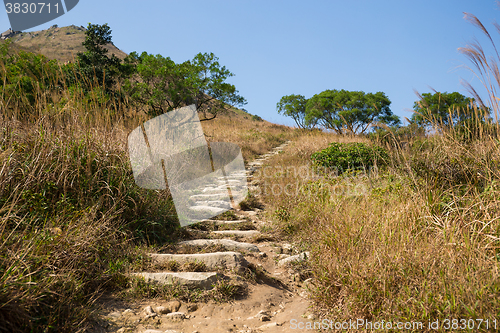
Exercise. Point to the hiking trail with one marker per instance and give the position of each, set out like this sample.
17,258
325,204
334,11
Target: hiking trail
226,250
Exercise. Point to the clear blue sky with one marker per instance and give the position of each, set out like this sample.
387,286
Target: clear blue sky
277,48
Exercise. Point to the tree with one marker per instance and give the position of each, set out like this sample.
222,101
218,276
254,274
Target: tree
294,106
448,108
162,85
349,111
207,82
156,83
95,66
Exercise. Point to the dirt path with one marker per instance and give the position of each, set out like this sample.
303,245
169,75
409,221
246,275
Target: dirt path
275,297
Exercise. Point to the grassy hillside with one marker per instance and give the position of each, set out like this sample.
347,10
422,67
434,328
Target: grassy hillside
416,238
255,137
414,241
72,220
58,43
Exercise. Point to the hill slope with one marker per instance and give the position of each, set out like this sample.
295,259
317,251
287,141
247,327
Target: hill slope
58,43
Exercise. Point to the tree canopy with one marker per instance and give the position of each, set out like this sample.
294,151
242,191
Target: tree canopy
162,85
349,111
294,106
152,82
450,108
95,66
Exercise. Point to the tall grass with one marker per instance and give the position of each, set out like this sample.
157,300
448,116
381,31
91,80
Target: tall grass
416,241
69,210
72,220
401,245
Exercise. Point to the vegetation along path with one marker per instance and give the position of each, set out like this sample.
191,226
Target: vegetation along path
233,256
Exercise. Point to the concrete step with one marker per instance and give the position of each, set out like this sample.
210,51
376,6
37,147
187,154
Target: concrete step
213,261
214,203
253,188
213,190
209,209
239,233
251,169
256,163
228,244
219,223
231,223
208,197
237,176
296,258
192,280
232,181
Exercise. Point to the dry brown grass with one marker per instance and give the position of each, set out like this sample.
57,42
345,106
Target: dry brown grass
72,220
417,241
253,137
386,247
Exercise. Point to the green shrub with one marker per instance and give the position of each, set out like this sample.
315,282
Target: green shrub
345,156
257,118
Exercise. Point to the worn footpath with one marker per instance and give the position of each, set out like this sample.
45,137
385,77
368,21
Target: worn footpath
228,252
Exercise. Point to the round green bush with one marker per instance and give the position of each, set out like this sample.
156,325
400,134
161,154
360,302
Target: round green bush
350,156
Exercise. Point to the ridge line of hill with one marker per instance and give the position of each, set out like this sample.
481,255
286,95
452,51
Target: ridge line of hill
59,43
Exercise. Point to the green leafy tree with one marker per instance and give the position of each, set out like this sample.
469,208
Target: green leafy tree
294,106
207,81
156,84
162,85
349,111
95,66
448,108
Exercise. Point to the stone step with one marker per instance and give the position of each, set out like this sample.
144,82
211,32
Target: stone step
232,223
213,190
251,169
231,179
209,209
256,163
240,176
212,261
192,280
228,244
296,258
214,203
239,233
208,197
253,188
221,222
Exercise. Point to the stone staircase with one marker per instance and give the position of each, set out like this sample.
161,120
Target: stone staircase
231,260
236,245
